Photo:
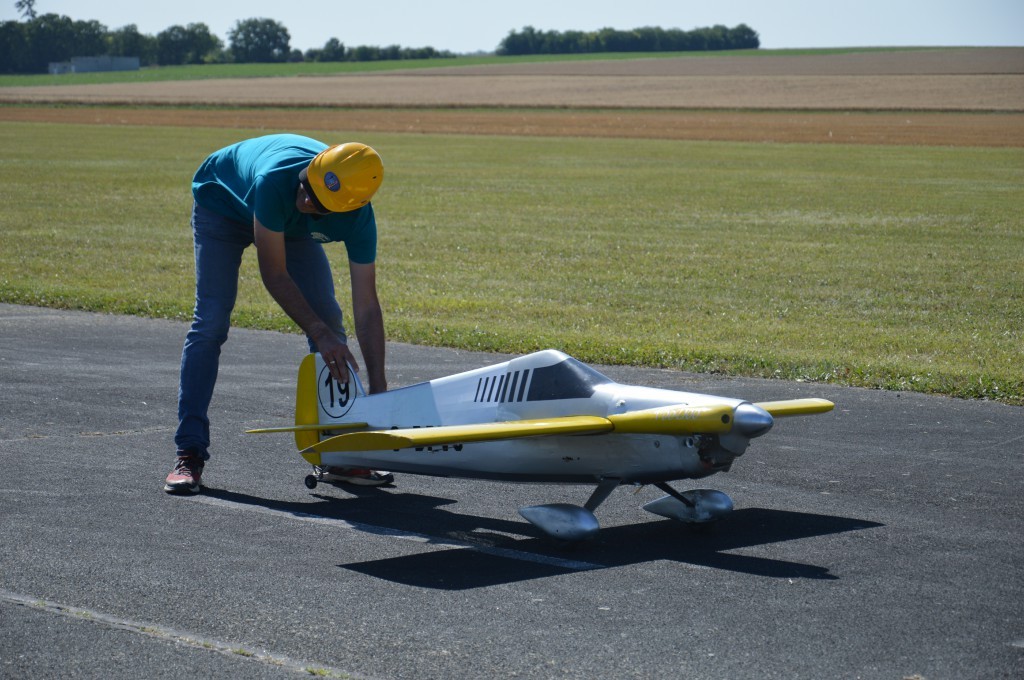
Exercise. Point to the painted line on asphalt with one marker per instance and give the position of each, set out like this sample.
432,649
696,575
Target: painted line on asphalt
435,541
172,635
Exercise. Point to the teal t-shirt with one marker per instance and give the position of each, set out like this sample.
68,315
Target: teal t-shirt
258,178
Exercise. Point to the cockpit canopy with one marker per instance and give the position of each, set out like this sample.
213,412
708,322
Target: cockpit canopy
569,379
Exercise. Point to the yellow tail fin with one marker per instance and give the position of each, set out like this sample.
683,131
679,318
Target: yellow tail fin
306,410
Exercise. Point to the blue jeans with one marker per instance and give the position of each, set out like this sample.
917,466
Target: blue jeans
219,243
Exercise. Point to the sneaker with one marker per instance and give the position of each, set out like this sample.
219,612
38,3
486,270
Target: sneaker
186,477
357,476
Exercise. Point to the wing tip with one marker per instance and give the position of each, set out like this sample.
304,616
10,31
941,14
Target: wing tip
796,407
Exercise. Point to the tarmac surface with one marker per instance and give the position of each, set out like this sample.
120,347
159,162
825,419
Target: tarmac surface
882,540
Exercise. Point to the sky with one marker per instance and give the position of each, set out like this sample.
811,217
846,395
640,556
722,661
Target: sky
467,26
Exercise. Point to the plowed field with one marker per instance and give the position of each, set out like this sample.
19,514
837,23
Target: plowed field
971,97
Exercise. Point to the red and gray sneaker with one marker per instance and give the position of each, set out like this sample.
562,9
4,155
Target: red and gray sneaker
357,476
186,477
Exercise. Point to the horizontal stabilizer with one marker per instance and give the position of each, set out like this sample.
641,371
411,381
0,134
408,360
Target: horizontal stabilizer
316,427
383,440
796,407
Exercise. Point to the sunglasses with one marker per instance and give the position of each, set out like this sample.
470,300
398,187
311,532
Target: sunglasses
317,205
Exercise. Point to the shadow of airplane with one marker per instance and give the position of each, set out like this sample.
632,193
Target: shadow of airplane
457,568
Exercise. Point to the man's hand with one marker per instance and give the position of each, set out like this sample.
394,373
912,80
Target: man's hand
337,356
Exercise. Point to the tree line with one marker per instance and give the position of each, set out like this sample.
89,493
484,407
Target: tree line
647,39
29,46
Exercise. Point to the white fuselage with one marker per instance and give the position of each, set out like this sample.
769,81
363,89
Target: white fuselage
545,384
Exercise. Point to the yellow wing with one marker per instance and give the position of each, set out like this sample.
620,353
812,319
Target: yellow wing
383,440
796,407
673,420
678,420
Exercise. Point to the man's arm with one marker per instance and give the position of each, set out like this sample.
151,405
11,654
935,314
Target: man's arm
369,322
270,252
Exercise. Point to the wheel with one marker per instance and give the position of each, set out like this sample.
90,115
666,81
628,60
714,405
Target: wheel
310,481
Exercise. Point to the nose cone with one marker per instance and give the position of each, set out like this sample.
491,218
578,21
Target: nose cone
752,421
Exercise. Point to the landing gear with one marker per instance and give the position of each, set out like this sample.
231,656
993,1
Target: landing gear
693,507
316,477
348,478
562,521
567,522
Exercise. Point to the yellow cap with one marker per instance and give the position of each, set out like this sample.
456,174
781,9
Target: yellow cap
345,177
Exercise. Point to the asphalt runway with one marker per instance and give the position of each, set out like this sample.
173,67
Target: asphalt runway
882,540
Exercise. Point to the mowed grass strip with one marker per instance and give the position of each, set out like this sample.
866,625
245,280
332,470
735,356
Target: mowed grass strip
290,69
888,267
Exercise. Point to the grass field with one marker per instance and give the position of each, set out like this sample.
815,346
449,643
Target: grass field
891,267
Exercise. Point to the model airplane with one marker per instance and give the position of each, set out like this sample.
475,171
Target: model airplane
543,417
